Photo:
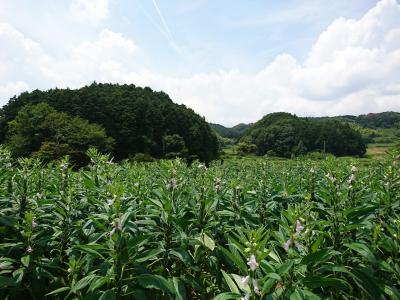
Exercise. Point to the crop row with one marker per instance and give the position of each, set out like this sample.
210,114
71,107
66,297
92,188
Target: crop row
257,229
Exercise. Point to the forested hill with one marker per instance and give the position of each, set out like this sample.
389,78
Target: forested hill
283,134
140,120
383,120
388,119
230,132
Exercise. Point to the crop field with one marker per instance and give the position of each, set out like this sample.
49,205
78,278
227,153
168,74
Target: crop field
244,229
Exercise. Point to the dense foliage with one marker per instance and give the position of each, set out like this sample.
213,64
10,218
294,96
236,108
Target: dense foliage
136,118
255,229
380,120
39,130
283,134
230,132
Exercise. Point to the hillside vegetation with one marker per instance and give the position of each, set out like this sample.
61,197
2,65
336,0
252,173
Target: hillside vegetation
230,132
139,120
283,134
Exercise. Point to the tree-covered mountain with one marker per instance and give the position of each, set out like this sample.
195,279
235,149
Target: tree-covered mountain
230,132
140,120
283,134
388,119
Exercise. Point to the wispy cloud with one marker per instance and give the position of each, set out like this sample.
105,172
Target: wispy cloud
165,29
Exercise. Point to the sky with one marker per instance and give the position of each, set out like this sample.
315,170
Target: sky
230,61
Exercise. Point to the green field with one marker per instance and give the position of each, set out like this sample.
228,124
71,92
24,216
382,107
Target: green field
251,229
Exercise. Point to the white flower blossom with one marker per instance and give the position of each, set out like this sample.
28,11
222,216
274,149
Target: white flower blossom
256,288
29,250
286,245
330,177
34,224
352,179
172,185
299,227
298,245
247,297
245,281
252,263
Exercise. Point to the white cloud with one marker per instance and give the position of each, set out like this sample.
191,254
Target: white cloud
353,67
101,59
12,89
89,10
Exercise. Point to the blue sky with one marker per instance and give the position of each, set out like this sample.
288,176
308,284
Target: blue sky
231,61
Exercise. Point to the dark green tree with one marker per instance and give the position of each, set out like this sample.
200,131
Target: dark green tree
41,131
174,146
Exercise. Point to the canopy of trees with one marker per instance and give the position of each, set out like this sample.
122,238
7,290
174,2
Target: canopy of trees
41,131
283,134
387,119
138,119
230,132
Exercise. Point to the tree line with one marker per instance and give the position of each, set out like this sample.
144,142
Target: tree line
283,134
123,120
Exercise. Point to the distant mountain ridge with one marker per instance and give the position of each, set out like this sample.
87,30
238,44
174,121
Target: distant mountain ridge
230,132
388,119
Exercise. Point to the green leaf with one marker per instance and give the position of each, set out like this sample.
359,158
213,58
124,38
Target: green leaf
60,290
274,276
179,289
235,258
207,241
284,268
317,243
148,255
98,282
182,255
227,296
108,295
363,250
158,282
303,295
82,283
230,282
6,281
366,282
318,282
90,249
268,284
317,257
25,260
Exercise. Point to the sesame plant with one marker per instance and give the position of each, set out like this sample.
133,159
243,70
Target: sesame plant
245,229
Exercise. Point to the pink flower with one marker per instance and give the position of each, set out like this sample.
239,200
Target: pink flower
172,184
352,178
298,245
287,244
252,263
299,227
256,288
245,281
